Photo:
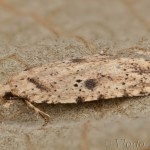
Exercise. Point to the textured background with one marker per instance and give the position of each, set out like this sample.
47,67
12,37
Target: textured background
33,33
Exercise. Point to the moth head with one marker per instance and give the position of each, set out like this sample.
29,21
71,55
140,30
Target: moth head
5,92
8,96
3,89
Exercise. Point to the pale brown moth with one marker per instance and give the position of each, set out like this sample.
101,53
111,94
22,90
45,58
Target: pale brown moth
79,80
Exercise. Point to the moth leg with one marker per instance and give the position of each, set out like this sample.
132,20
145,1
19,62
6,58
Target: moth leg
41,113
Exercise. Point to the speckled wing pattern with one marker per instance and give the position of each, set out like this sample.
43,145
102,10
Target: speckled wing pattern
87,79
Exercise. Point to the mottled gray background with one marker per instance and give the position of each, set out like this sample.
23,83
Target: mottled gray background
33,33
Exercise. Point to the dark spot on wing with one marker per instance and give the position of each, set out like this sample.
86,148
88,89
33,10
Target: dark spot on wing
37,84
75,85
22,79
139,70
100,97
78,60
45,101
90,84
78,80
103,75
80,99
142,93
125,94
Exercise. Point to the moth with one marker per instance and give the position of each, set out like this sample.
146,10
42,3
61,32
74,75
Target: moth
79,80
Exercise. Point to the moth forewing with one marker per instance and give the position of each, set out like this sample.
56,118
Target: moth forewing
87,79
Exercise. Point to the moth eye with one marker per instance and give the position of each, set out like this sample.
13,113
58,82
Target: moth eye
9,96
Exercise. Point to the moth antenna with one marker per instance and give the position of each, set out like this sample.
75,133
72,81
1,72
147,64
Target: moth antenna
44,115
